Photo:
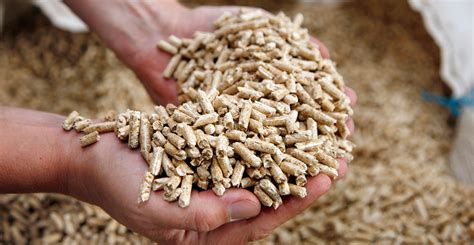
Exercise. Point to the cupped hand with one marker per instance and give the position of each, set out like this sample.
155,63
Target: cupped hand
109,175
133,28
183,23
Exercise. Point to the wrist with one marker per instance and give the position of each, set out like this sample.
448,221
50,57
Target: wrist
88,168
78,178
68,164
34,152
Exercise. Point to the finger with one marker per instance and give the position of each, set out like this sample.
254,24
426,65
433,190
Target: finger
341,172
353,100
262,225
162,91
351,94
322,48
149,69
206,211
350,124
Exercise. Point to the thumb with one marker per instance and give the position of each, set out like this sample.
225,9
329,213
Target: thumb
207,211
149,69
161,90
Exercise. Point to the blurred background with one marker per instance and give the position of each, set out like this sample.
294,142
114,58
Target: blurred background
399,189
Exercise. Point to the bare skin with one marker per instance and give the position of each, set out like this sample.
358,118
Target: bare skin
36,155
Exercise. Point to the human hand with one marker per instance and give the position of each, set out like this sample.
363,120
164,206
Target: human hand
133,28
109,175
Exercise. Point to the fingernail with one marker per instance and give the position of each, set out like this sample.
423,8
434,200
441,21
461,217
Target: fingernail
243,210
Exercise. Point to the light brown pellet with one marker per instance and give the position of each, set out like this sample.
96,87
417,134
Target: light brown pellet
188,134
89,139
159,184
69,121
263,108
192,152
270,189
176,140
180,117
236,135
201,139
205,103
259,145
330,88
255,126
249,93
244,117
172,65
145,188
298,191
262,196
326,159
291,168
157,139
206,119
237,174
284,189
82,124
225,166
133,140
309,145
167,47
329,171
276,121
301,136
317,115
102,127
156,160
228,121
186,187
305,98
176,153
247,155
277,173
175,41
167,166
303,156
300,180
145,135
222,143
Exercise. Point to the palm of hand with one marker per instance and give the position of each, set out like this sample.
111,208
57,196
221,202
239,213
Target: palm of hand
149,63
116,179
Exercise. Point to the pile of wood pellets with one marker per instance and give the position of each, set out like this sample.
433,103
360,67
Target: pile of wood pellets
398,189
260,109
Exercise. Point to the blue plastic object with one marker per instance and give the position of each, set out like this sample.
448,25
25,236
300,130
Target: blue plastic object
453,104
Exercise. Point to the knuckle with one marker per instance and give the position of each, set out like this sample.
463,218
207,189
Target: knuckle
204,222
